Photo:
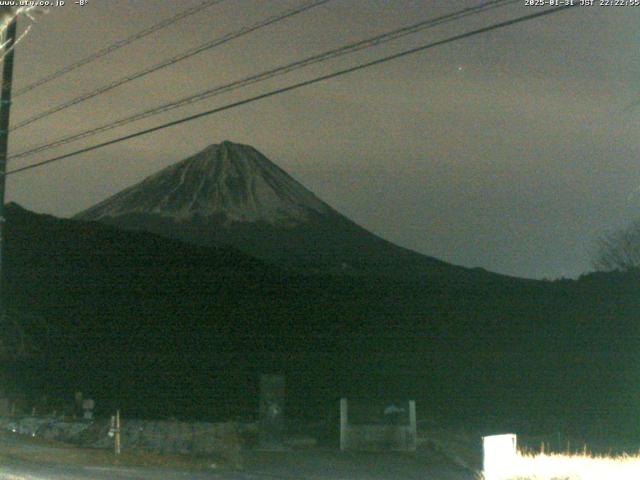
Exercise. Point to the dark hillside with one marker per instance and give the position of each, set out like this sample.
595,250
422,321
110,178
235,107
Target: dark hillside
162,328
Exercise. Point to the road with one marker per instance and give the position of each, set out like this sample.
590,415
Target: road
375,470
23,471
23,459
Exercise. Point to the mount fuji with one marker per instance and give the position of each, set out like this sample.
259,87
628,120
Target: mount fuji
232,194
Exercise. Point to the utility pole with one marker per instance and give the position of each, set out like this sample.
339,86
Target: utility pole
5,107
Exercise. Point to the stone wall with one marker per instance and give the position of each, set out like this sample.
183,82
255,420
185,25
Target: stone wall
174,437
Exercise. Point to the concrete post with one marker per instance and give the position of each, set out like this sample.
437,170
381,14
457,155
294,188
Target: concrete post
413,427
116,442
344,423
272,397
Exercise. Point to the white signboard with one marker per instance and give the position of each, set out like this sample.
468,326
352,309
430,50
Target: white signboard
500,456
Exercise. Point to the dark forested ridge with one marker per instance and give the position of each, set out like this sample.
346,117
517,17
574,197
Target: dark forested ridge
157,327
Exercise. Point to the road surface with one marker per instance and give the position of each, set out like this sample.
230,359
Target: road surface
23,459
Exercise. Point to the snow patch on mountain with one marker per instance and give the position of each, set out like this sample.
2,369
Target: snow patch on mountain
232,181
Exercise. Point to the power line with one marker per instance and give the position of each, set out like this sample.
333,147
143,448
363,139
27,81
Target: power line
296,86
266,75
118,45
171,61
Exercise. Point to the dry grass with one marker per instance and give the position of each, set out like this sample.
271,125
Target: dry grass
569,467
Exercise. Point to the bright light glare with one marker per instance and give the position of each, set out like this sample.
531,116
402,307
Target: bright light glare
569,467
499,453
7,14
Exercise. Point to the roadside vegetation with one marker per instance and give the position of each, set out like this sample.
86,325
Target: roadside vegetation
582,466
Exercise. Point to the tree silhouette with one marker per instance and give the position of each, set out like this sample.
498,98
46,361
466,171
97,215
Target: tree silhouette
619,250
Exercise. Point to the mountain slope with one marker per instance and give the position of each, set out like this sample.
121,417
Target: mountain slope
158,327
232,194
233,182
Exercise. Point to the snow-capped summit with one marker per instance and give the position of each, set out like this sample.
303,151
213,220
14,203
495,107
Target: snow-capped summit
229,181
231,194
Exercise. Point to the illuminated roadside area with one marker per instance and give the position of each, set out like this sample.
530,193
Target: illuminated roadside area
573,467
504,462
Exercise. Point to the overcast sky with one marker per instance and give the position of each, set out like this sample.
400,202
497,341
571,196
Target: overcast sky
511,151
